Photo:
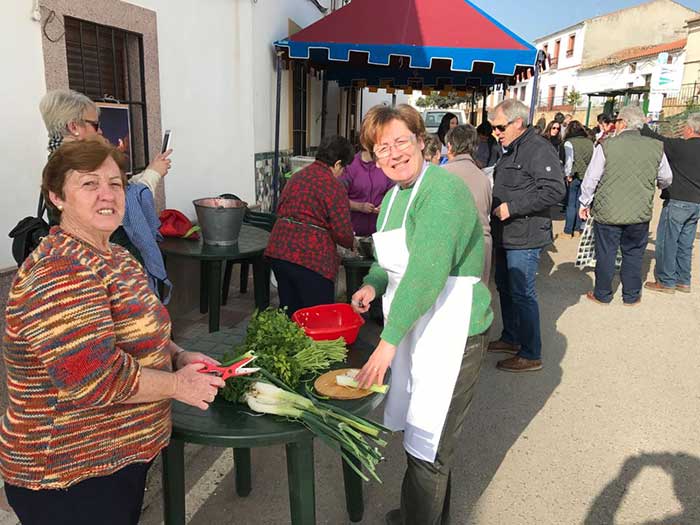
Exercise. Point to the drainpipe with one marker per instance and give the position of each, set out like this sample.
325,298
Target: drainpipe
276,161
535,84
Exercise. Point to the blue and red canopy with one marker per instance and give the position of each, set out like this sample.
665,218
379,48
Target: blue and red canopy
394,41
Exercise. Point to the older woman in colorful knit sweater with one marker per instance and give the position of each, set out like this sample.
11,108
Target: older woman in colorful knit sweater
89,358
430,253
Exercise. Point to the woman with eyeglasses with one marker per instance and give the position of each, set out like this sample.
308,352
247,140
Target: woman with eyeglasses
71,116
429,248
553,134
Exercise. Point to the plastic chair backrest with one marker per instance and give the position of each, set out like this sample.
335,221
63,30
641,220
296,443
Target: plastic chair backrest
260,219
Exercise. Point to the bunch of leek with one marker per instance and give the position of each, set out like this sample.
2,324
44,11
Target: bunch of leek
356,439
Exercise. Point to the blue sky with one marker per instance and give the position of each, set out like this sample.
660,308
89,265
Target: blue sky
534,18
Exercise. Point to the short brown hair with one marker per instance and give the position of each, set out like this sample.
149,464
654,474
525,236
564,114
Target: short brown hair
79,155
432,146
379,116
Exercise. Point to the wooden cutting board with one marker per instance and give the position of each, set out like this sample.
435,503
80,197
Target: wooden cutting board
326,386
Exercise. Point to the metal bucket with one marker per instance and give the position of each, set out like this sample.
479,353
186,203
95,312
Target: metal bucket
220,219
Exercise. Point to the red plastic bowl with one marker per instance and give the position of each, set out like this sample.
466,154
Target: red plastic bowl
329,321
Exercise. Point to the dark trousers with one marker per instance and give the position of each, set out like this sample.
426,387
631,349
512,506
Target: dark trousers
108,500
299,287
425,492
632,240
516,281
573,221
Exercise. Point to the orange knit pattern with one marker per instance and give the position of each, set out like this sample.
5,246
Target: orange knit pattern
80,324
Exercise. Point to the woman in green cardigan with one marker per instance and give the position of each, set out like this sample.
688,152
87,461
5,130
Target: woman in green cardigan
430,253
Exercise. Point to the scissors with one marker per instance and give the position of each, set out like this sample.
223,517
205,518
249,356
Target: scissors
234,370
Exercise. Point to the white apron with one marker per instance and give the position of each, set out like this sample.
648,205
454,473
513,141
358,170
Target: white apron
428,359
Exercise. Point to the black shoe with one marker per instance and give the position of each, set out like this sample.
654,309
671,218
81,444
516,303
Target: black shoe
393,517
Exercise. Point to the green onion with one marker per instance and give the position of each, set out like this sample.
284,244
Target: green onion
343,432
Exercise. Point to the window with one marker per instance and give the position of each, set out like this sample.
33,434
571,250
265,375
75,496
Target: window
564,93
106,64
550,96
669,60
515,92
633,67
555,56
570,46
647,80
545,49
299,90
522,93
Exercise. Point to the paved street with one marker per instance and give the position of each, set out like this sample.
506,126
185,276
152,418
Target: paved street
606,433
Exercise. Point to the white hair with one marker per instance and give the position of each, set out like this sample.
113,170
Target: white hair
60,107
512,109
694,122
633,116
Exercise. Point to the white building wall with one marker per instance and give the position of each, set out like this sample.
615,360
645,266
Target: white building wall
206,67
270,23
23,146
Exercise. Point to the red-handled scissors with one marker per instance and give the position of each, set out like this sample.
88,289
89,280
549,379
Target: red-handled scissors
234,370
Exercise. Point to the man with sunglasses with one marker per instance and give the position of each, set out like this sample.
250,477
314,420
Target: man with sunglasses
528,181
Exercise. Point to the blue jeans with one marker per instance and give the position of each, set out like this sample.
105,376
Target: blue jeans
573,221
675,236
632,240
516,273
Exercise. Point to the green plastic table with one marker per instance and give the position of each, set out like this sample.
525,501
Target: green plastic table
250,247
225,425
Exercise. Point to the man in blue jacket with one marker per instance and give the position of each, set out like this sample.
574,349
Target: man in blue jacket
528,181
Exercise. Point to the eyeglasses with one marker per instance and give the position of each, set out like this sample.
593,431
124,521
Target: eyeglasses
382,151
94,123
557,128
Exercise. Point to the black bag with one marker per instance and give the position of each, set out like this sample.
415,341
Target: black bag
28,233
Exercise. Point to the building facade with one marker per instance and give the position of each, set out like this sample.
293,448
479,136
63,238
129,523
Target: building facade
602,53
205,70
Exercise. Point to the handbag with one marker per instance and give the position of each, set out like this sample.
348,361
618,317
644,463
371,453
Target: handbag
28,233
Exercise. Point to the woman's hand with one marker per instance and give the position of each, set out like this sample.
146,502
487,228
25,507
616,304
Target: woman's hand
363,207
161,163
375,368
185,358
362,297
195,388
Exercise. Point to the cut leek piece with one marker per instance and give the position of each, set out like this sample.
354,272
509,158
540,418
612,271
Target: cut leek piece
348,379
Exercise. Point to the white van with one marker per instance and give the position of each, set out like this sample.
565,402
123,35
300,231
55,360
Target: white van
433,117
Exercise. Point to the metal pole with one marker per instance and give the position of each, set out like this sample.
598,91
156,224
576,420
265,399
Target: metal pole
588,111
276,161
484,111
324,104
393,100
535,84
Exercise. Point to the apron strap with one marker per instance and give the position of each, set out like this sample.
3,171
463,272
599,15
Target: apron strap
410,199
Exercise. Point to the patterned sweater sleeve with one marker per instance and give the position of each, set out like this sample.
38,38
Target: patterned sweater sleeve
68,324
338,208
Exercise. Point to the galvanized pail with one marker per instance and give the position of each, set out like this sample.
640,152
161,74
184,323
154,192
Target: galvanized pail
220,219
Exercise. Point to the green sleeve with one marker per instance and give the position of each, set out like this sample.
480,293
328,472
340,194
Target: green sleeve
442,220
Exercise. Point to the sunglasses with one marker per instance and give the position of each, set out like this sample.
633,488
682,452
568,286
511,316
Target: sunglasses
502,127
94,123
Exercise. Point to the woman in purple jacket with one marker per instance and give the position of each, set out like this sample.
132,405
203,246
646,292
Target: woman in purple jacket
367,185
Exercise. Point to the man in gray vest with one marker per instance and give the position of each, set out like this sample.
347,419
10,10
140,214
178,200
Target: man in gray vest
622,175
